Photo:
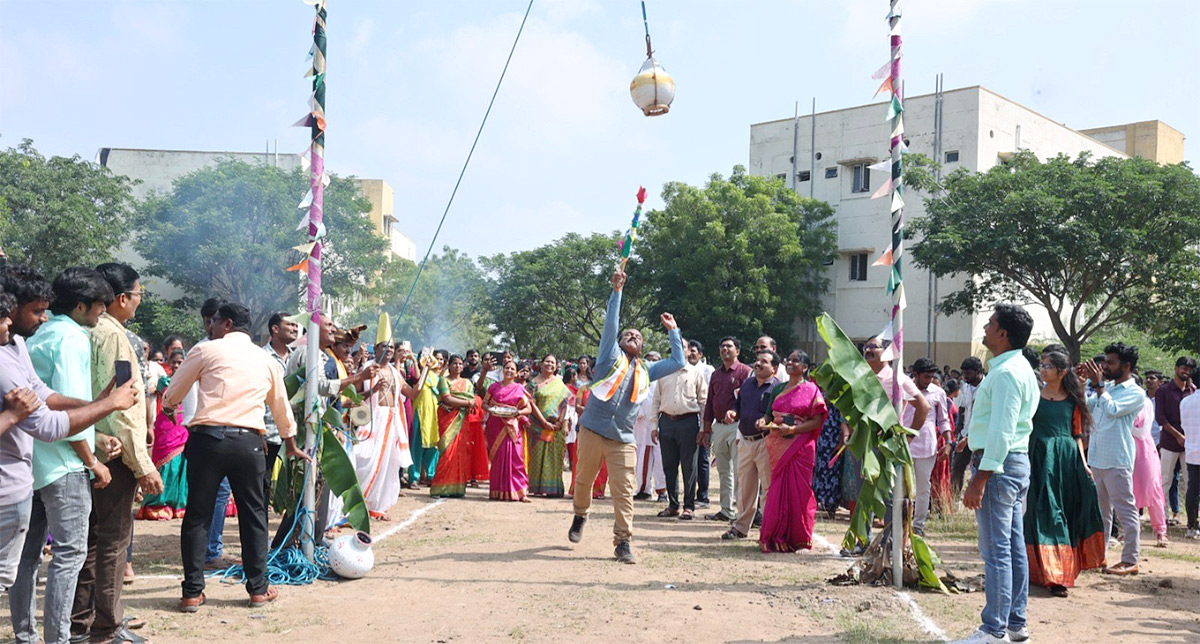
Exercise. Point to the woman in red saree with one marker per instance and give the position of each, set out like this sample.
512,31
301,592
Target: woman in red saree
505,438
798,411
454,465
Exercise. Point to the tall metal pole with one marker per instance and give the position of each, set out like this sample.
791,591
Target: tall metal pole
896,280
812,149
316,230
796,146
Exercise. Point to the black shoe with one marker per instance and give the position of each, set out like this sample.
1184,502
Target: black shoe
575,534
641,496
758,520
702,503
717,516
624,554
732,534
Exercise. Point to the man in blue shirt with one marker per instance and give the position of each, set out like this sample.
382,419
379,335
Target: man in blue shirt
622,381
1001,421
753,461
1115,402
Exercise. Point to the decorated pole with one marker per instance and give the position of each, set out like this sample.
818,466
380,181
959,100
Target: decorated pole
626,243
316,230
896,280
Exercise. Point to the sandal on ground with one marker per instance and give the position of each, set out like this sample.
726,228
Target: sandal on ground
732,534
258,601
133,623
124,636
686,515
1058,591
191,604
669,512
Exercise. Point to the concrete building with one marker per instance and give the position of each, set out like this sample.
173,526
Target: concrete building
1152,140
157,171
979,130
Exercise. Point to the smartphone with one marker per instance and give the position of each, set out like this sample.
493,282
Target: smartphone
124,372
789,419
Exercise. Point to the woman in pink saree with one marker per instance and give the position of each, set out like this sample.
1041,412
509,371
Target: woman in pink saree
798,411
504,437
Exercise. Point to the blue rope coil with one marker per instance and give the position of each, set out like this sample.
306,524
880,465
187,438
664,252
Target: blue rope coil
287,566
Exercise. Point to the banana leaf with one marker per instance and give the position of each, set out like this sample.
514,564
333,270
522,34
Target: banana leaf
294,382
878,439
351,394
343,481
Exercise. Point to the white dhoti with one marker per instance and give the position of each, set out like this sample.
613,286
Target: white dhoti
382,449
648,470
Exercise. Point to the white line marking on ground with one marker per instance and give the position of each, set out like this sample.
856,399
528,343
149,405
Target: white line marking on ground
412,518
921,618
919,615
824,544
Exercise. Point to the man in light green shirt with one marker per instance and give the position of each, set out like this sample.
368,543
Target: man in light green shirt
998,435
61,353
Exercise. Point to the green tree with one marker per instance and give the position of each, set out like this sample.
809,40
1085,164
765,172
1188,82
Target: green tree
552,299
60,212
1097,243
448,308
741,256
157,318
228,230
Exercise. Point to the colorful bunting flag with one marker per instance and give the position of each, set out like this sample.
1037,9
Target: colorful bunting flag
887,85
884,189
885,259
302,266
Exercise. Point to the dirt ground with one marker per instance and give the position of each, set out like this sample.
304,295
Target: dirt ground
471,570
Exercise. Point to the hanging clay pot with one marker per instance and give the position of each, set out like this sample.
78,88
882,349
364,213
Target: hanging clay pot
652,89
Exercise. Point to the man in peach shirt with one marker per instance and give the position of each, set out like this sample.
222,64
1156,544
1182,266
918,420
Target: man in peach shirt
235,380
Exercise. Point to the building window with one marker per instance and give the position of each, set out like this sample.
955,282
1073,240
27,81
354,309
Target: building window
952,156
862,178
858,267
804,175
831,173
781,176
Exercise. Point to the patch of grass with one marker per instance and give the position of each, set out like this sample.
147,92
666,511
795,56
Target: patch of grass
1176,555
874,627
959,526
517,633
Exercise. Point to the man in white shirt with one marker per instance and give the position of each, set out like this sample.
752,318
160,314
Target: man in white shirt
972,376
923,446
648,471
676,405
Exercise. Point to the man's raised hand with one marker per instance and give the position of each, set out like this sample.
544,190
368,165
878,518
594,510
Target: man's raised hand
668,321
618,280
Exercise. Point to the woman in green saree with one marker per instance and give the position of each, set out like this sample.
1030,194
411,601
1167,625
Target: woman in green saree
547,440
1064,530
456,397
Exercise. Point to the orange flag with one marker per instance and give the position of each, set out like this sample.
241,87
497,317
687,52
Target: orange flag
303,266
885,259
887,84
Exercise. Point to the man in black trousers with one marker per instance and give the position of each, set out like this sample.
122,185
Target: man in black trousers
236,379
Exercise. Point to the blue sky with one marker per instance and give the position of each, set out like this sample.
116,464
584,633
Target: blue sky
565,148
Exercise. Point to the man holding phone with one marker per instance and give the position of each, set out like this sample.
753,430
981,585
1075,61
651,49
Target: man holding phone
98,611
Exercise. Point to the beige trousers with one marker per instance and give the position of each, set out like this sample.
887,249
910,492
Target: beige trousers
753,472
593,450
